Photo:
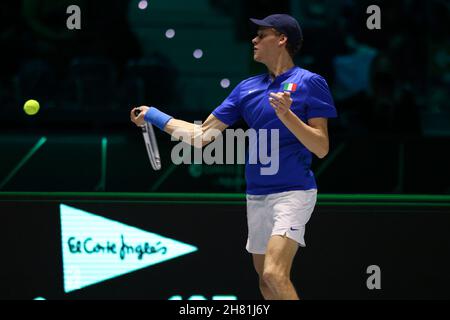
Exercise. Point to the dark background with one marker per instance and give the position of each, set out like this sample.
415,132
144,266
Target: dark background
390,88
409,244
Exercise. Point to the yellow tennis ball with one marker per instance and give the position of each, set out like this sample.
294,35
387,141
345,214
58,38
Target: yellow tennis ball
31,107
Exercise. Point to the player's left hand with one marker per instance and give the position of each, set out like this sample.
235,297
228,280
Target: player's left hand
281,102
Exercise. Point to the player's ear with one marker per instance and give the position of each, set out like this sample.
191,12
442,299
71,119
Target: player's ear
283,40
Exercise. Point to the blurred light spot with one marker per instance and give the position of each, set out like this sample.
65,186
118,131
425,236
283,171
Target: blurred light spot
225,83
142,4
198,53
170,33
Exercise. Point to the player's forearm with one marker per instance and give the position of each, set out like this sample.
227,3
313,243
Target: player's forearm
190,133
313,139
195,134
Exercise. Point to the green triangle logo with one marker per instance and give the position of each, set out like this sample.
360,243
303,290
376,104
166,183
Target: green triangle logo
95,249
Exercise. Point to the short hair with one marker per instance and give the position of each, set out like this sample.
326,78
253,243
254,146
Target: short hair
291,48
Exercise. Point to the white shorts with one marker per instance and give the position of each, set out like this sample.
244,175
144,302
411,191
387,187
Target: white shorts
284,213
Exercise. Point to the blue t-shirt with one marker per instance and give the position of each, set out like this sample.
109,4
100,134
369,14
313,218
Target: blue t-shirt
250,100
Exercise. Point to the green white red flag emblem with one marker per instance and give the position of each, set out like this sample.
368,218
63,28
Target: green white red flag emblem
290,86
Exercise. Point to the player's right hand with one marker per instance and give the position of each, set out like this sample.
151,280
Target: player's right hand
138,119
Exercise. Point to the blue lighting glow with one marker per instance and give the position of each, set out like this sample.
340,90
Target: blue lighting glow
198,53
142,4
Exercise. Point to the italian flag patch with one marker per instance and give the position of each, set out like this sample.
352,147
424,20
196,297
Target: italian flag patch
290,86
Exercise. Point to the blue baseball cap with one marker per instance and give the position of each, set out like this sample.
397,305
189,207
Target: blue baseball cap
283,23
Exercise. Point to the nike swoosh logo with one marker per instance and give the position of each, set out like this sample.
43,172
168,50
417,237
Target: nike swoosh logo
292,229
251,91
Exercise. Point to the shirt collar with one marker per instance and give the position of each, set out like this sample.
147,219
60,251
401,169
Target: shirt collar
282,76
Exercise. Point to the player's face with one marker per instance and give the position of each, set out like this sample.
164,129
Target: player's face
265,44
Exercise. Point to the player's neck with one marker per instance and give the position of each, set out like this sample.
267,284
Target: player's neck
280,66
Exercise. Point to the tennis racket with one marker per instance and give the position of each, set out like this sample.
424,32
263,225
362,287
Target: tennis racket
150,143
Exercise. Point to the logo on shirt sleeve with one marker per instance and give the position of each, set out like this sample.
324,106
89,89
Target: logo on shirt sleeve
290,86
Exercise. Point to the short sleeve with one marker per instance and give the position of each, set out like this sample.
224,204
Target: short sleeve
229,111
319,102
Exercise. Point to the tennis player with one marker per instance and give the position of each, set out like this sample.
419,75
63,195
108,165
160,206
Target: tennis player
298,103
